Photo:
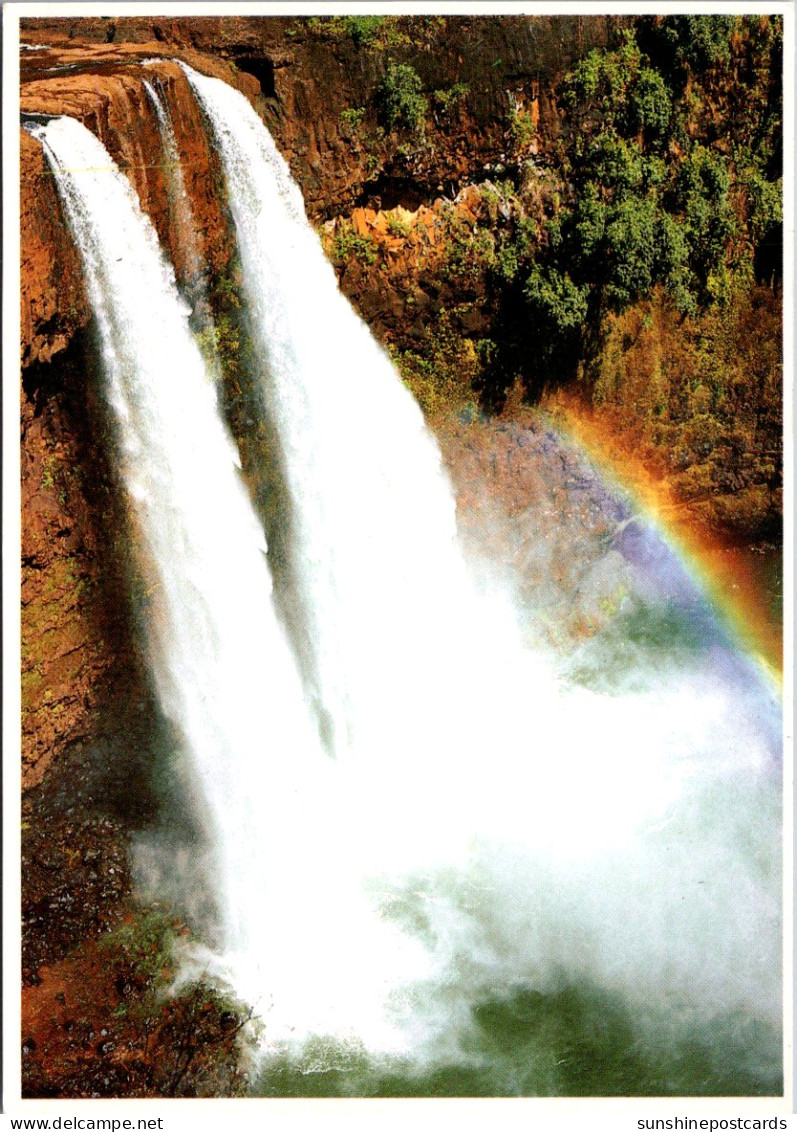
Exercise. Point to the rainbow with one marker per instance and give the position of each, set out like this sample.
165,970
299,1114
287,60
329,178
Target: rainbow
729,585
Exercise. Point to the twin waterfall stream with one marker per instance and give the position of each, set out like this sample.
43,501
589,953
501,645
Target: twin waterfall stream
407,818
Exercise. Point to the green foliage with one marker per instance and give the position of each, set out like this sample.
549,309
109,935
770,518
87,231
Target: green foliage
649,203
440,374
381,33
445,101
522,131
469,252
493,198
673,254
650,105
142,951
50,471
348,245
367,32
700,400
765,199
220,341
666,177
631,245
556,299
515,249
695,42
616,93
702,199
351,120
402,104
599,92
189,1034
398,227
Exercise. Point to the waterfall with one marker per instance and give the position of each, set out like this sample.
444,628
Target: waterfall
520,822
281,873
379,620
409,814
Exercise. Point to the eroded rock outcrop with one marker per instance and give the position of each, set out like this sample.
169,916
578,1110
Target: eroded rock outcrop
105,91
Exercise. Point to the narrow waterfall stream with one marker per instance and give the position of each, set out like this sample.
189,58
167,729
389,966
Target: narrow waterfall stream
427,849
182,219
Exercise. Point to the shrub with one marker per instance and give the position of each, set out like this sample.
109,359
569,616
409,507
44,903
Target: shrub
348,245
440,375
141,950
446,100
374,32
398,227
469,253
351,119
364,31
515,249
650,104
522,131
403,105
556,298
699,41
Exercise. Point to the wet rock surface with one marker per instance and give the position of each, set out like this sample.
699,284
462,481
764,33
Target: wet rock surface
539,524
71,893
96,1027
76,828
99,1016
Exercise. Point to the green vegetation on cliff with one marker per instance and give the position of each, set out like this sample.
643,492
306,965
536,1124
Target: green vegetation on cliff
629,248
669,162
655,280
402,103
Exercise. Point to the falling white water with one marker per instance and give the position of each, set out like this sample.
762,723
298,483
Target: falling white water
182,220
224,674
375,589
529,834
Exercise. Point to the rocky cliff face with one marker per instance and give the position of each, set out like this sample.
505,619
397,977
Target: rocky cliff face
104,89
